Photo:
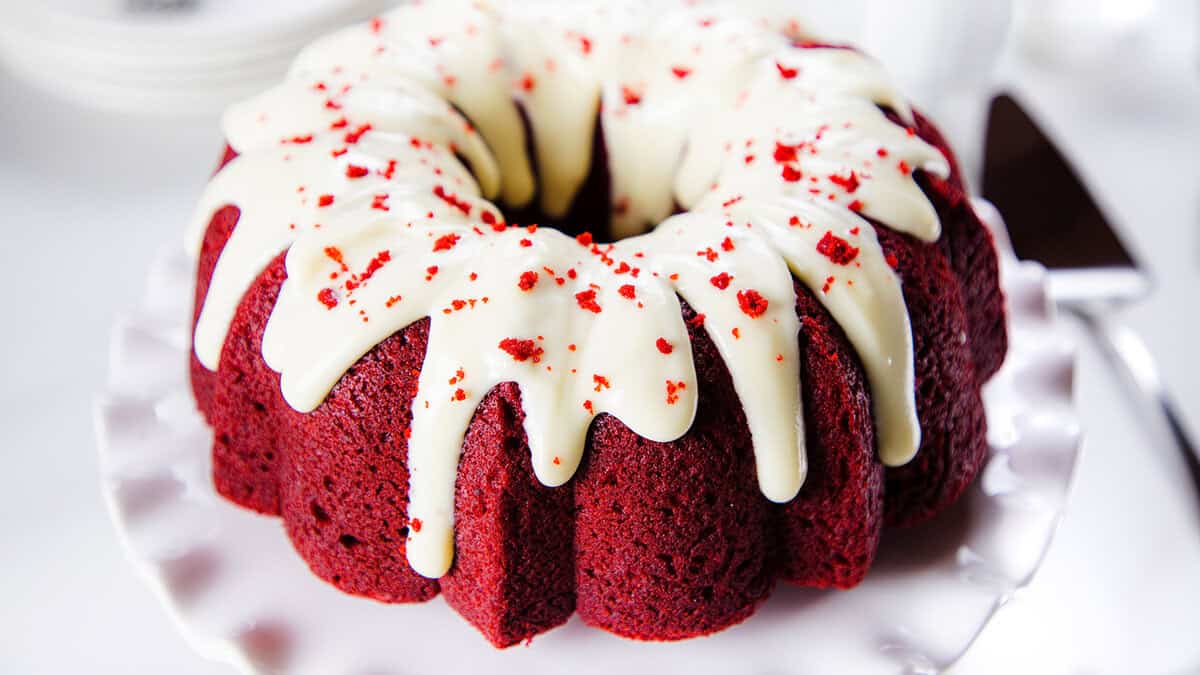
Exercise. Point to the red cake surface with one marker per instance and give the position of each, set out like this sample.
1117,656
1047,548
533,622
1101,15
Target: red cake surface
653,541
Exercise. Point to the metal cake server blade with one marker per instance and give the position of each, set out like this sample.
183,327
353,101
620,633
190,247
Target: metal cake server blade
1053,219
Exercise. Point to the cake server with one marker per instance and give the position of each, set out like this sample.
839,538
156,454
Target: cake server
1053,219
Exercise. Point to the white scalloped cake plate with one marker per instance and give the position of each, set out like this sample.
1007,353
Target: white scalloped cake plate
240,594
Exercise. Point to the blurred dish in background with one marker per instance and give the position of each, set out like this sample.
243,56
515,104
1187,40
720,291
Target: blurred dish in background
944,58
170,57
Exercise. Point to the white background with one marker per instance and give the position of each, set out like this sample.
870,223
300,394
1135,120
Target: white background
86,198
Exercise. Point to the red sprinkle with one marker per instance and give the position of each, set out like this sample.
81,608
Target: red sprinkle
681,72
631,96
837,249
752,303
584,239
328,298
892,261
882,152
785,72
377,202
855,206
445,243
525,243
673,389
587,300
628,291
355,171
721,281
324,200
527,82
601,382
376,26
727,244
528,280
904,167
664,346
522,350
791,174
302,139
415,524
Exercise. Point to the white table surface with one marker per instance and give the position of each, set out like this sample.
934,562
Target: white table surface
89,197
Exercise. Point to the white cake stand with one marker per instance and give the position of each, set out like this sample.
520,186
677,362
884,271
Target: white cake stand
240,594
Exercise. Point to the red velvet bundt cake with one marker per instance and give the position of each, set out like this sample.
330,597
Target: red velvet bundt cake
779,353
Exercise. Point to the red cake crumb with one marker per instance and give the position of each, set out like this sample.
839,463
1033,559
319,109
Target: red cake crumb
752,303
528,280
837,249
445,242
328,297
848,183
587,300
522,350
353,137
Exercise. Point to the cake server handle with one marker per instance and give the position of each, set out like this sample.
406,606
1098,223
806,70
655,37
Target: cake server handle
1128,352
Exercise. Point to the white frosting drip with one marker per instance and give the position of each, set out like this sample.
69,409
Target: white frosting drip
775,150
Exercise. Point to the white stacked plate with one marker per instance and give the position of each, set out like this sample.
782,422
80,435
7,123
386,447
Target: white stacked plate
164,56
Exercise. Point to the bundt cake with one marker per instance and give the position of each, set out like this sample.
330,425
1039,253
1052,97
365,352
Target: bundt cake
730,321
